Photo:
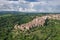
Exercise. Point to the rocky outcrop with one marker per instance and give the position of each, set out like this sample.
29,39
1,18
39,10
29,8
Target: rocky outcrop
38,21
54,16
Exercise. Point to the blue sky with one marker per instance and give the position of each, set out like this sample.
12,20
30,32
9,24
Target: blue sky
13,0
31,0
30,5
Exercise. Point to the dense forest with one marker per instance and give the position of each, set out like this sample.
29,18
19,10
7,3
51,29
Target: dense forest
51,31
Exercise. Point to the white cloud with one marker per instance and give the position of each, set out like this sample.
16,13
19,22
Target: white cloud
42,5
25,6
30,10
20,9
9,5
27,10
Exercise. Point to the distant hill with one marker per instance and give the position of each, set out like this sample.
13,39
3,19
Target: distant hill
7,12
15,12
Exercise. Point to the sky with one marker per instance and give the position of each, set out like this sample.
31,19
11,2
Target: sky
9,5
30,5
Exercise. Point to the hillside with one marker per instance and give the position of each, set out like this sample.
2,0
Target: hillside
38,21
51,31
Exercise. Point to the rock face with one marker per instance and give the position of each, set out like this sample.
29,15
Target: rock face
56,16
38,21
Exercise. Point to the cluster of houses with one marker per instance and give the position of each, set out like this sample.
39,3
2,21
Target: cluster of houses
38,21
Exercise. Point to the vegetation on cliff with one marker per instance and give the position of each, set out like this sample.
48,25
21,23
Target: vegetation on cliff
51,31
